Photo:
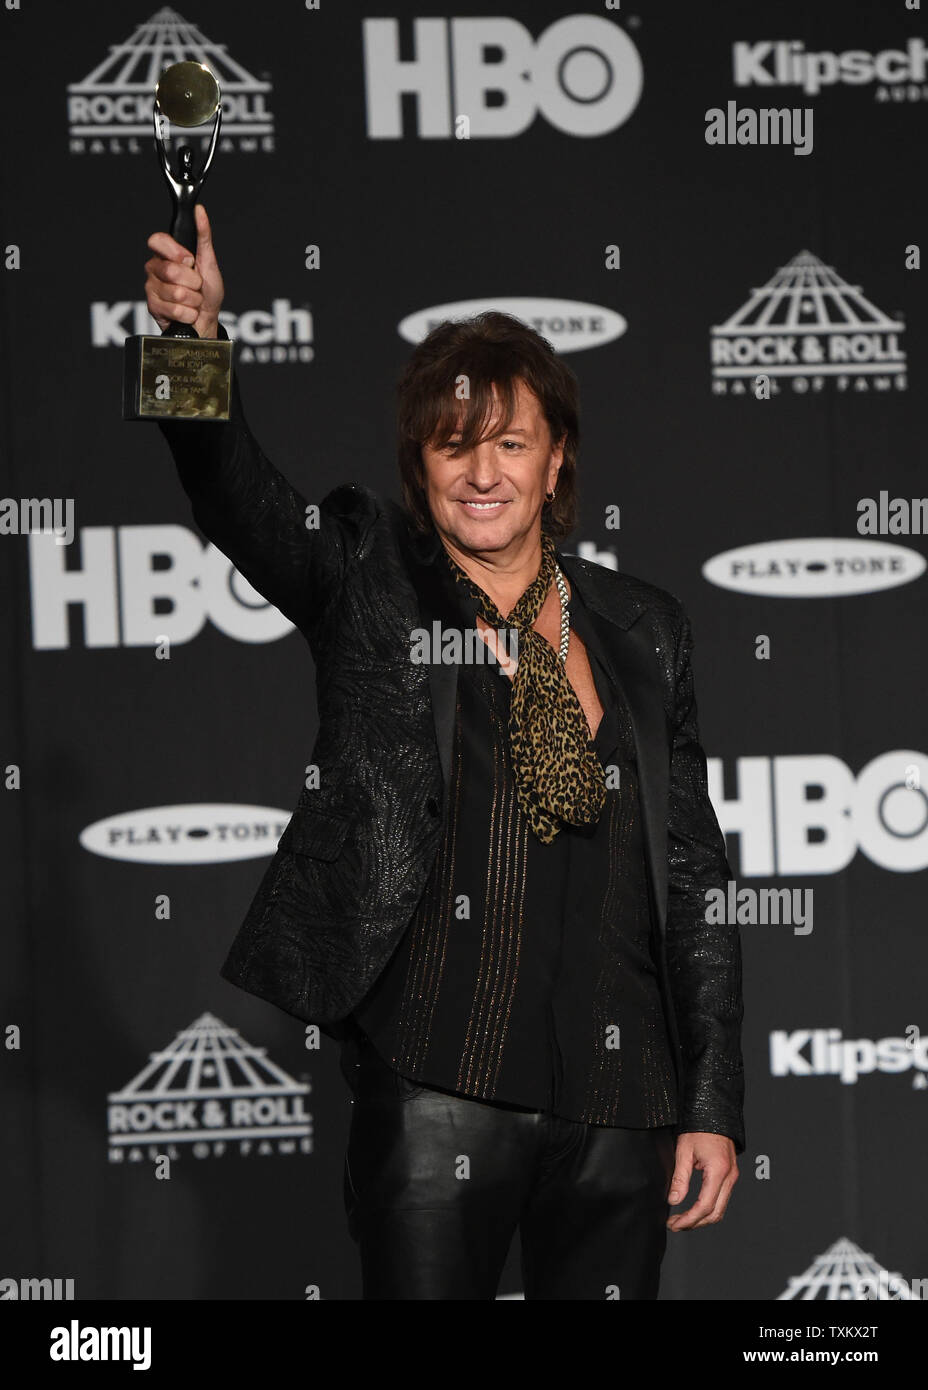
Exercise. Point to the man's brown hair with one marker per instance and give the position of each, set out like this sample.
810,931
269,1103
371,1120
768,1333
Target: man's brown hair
492,351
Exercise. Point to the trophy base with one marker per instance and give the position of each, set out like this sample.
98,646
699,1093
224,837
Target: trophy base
176,378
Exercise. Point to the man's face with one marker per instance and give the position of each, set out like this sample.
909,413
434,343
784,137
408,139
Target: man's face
485,500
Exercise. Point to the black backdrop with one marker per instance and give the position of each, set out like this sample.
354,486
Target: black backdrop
132,780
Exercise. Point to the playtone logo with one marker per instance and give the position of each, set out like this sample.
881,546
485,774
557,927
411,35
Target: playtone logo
488,78
569,325
191,834
814,567
825,1052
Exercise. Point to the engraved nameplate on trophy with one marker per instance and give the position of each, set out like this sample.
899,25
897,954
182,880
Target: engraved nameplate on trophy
179,375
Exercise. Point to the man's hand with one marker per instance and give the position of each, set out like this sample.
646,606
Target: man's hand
714,1156
179,290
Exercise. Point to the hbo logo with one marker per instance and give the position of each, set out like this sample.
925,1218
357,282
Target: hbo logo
488,78
134,585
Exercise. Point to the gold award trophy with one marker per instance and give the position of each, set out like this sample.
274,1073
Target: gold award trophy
180,376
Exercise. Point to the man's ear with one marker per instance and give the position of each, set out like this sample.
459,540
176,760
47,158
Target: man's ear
557,459
558,449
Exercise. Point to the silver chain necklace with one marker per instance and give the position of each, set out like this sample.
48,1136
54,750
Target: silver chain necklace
565,615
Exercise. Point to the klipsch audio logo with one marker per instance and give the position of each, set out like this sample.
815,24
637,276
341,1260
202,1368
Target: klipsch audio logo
568,325
804,327
488,77
110,110
282,332
846,1273
213,1091
825,1052
896,74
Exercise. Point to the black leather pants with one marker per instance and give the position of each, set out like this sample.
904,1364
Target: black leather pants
436,1185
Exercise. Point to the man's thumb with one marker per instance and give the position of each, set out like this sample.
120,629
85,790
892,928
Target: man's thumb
679,1185
204,235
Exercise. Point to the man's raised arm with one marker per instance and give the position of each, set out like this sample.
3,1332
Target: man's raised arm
240,501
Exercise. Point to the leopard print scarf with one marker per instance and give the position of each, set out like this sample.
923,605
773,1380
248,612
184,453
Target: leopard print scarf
558,776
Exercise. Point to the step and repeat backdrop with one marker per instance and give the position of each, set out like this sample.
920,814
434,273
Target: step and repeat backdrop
717,214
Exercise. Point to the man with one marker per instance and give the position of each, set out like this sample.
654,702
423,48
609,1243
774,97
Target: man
495,895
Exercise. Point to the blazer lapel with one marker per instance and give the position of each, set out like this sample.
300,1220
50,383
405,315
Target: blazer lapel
420,552
626,650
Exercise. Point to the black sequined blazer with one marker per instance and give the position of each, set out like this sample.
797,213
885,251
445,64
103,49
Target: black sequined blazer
352,863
